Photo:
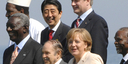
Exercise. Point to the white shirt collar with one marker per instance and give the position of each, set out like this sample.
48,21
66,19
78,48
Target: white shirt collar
22,43
84,15
55,28
125,57
58,62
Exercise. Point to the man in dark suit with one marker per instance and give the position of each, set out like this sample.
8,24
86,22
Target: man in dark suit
95,25
121,43
52,52
51,11
27,50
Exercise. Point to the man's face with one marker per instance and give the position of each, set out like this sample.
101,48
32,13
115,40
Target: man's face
51,15
49,56
80,6
121,42
11,9
15,29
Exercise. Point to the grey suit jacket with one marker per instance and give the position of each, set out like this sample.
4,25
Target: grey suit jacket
62,62
89,58
30,54
98,29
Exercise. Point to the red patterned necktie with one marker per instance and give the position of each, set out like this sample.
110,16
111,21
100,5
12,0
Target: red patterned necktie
50,34
14,55
77,22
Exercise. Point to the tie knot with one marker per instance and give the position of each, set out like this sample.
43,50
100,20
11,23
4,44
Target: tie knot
78,19
77,22
50,34
51,31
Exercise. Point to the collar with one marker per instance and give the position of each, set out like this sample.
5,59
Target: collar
125,57
58,62
83,57
55,28
22,43
84,15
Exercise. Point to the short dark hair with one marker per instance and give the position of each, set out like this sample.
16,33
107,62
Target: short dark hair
26,9
53,2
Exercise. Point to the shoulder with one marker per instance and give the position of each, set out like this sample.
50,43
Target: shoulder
65,27
71,61
35,23
95,57
97,18
34,44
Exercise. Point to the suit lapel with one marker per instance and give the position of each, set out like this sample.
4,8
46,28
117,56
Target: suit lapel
46,35
23,53
11,49
58,32
87,20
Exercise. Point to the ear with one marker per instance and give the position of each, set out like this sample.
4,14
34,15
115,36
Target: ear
22,10
25,29
60,14
86,45
58,54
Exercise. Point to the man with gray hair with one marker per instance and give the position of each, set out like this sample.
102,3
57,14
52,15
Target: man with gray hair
25,49
52,52
22,6
121,43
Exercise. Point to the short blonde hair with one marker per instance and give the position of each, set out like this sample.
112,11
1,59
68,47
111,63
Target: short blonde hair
84,35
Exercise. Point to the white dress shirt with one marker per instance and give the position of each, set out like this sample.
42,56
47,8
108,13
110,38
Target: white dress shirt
58,62
55,28
22,43
35,29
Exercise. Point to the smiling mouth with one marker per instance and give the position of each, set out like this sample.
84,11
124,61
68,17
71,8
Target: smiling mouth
10,34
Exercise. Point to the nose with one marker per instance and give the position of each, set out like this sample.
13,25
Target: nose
6,14
49,14
73,43
43,55
9,29
73,3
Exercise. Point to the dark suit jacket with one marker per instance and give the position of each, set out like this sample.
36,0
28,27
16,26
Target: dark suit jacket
60,35
125,62
98,29
30,54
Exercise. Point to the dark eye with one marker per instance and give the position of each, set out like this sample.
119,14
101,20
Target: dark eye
77,41
70,41
118,39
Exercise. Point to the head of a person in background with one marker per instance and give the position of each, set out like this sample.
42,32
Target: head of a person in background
52,12
17,27
121,41
52,51
79,42
17,6
81,6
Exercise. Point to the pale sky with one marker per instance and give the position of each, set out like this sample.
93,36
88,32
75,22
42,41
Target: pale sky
114,12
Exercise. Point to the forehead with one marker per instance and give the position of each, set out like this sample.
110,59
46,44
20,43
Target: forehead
48,47
76,36
9,6
14,20
121,34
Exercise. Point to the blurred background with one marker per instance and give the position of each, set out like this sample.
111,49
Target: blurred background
114,12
